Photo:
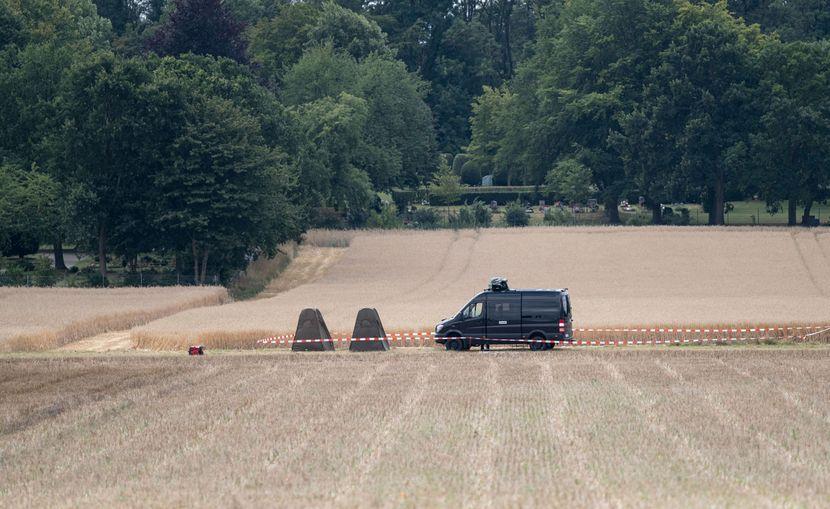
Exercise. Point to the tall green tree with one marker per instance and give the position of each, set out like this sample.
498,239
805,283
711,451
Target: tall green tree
203,27
27,213
397,142
321,72
121,13
706,86
464,65
491,122
224,190
791,148
399,136
332,128
277,43
586,72
45,39
104,118
793,20
348,31
224,177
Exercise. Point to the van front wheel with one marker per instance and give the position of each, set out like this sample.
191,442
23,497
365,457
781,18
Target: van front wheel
453,344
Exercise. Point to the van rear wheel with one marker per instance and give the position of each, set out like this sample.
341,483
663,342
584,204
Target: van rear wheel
535,344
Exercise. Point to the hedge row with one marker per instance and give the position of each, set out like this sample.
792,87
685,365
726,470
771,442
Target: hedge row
500,194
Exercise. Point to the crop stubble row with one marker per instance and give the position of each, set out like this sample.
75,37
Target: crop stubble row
668,427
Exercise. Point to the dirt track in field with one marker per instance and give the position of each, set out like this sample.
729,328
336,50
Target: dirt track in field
309,265
639,427
106,342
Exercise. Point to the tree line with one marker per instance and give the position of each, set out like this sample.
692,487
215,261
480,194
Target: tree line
214,130
669,100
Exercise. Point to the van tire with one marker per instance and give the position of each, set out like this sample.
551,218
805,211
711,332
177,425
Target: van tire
454,344
538,346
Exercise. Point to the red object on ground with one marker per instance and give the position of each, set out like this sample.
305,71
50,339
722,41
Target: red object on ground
196,350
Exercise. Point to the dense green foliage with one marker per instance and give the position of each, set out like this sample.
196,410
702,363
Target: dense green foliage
210,131
698,106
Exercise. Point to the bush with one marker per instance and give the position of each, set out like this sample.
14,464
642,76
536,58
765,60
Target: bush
464,218
425,218
681,217
571,180
476,215
445,186
483,216
469,194
20,244
458,162
638,220
555,215
43,273
471,173
515,215
327,218
386,219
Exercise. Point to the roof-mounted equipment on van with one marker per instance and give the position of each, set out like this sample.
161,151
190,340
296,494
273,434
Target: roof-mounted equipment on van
498,284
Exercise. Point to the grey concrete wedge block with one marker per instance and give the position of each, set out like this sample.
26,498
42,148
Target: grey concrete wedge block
312,326
368,325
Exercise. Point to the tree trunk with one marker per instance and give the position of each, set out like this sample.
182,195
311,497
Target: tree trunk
60,264
612,213
716,216
791,205
508,53
806,220
204,266
195,262
102,250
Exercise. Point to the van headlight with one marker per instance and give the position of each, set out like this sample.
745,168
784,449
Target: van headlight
439,327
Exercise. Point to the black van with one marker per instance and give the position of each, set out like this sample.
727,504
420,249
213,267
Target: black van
503,316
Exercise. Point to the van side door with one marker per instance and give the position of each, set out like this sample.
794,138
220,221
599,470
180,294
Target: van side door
473,321
504,315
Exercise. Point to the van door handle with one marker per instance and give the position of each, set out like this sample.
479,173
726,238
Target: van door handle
502,322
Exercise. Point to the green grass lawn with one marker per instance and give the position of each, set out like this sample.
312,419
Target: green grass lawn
754,212
744,213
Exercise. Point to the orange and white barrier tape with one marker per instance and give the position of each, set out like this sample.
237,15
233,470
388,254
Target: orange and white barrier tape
681,330
402,338
729,335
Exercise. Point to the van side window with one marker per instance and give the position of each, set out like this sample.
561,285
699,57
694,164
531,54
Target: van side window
543,306
474,310
504,308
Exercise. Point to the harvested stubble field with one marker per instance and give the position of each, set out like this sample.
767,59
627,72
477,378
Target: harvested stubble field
661,276
683,427
42,318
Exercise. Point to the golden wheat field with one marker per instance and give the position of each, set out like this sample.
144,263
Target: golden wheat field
617,277
671,427
39,318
